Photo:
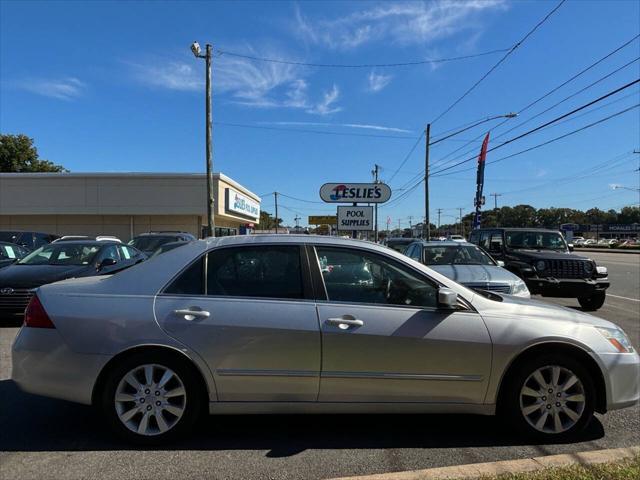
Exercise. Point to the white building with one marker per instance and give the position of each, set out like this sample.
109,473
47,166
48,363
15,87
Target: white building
122,204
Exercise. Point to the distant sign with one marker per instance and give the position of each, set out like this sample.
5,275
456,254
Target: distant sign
355,218
355,192
322,219
241,204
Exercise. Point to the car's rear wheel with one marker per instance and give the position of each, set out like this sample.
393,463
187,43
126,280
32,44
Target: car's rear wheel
593,302
550,397
150,398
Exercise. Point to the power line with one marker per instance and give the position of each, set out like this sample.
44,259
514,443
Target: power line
317,132
511,50
529,132
437,174
406,157
539,99
361,65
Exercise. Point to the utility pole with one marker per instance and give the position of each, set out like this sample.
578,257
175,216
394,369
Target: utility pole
297,220
275,196
375,180
495,199
426,228
195,48
399,227
439,213
461,222
410,223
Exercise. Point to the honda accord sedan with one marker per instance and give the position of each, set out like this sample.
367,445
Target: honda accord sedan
304,324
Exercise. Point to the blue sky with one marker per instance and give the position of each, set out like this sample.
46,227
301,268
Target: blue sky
113,86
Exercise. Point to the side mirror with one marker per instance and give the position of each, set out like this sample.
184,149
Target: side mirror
447,298
570,247
500,263
107,262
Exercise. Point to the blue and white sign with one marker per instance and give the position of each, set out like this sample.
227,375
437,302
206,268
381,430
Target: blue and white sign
241,204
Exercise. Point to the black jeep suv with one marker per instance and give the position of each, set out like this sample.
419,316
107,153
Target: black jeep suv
544,261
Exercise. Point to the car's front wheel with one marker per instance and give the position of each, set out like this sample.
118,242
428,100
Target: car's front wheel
593,302
550,397
150,399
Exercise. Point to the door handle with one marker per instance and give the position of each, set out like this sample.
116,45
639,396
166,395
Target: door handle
345,323
192,314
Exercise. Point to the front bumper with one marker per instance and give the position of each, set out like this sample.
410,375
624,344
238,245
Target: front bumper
622,378
44,365
568,288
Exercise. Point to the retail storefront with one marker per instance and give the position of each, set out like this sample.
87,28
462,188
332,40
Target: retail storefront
122,204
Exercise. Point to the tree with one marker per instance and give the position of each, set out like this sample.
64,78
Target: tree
267,221
19,155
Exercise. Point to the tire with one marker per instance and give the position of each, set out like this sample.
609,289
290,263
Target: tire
170,408
572,406
592,303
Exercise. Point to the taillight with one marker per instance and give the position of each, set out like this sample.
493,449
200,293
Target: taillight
35,316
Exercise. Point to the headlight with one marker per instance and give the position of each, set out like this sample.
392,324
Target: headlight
540,265
617,338
588,267
520,289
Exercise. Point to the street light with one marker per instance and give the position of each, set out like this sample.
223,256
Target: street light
426,232
195,48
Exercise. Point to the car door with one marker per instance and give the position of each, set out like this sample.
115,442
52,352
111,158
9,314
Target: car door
253,319
384,339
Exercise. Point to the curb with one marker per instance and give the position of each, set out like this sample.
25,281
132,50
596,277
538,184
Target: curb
475,470
605,250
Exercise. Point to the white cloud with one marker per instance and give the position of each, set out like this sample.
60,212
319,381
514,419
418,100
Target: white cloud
404,23
173,75
247,82
378,81
325,106
68,88
346,125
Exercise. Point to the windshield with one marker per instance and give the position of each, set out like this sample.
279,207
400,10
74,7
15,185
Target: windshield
150,242
61,254
399,245
456,255
10,252
535,240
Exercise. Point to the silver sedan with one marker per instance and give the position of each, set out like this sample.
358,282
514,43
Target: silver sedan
304,324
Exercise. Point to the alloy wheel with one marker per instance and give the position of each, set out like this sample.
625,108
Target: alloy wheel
552,399
150,399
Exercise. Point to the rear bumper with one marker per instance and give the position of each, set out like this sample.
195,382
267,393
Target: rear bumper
622,378
44,365
569,288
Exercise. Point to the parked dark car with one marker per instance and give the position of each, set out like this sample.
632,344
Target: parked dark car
149,242
399,244
10,253
544,261
58,261
31,240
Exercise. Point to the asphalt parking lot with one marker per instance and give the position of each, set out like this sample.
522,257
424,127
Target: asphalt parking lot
50,439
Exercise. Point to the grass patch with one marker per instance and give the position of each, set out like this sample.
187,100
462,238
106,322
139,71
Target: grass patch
628,469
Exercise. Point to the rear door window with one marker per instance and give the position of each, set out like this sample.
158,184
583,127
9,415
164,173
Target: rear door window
266,271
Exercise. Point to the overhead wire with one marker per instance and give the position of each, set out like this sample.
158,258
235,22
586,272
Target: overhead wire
550,122
360,65
494,67
539,99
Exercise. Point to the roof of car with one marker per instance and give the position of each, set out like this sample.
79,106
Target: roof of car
166,234
86,242
523,229
444,243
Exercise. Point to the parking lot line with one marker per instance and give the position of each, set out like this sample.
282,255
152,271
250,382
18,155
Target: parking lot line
623,298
